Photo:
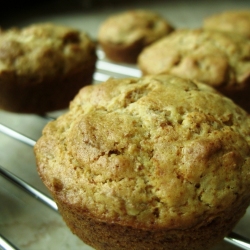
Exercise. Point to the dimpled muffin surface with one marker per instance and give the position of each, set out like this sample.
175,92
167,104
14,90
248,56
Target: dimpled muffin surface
163,157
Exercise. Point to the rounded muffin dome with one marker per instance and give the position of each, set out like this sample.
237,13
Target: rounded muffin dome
157,162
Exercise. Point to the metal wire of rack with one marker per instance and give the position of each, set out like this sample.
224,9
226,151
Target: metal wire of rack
105,69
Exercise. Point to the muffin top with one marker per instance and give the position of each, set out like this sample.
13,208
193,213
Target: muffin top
44,50
236,21
217,58
131,26
153,152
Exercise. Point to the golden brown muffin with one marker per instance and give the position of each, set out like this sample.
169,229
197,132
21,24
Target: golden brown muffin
216,58
236,21
123,36
43,66
157,162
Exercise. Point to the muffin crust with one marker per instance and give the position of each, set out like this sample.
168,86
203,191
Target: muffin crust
157,159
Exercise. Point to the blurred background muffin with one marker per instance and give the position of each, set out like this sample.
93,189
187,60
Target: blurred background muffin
122,36
236,21
216,58
43,66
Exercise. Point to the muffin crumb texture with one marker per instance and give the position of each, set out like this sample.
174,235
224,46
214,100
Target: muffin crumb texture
158,155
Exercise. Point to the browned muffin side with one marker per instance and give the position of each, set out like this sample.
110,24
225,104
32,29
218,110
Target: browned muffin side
216,58
43,66
122,36
158,162
235,21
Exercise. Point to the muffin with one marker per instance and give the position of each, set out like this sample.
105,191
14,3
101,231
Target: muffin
122,36
216,58
236,21
43,66
157,162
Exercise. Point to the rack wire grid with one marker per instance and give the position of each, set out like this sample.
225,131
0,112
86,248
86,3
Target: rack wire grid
23,224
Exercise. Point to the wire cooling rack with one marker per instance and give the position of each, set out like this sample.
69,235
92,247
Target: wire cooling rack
11,127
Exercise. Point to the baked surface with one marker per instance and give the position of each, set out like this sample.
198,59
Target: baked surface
148,161
216,58
236,21
122,36
43,66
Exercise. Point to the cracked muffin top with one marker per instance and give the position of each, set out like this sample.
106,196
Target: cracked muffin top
135,25
150,152
236,21
44,50
216,58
